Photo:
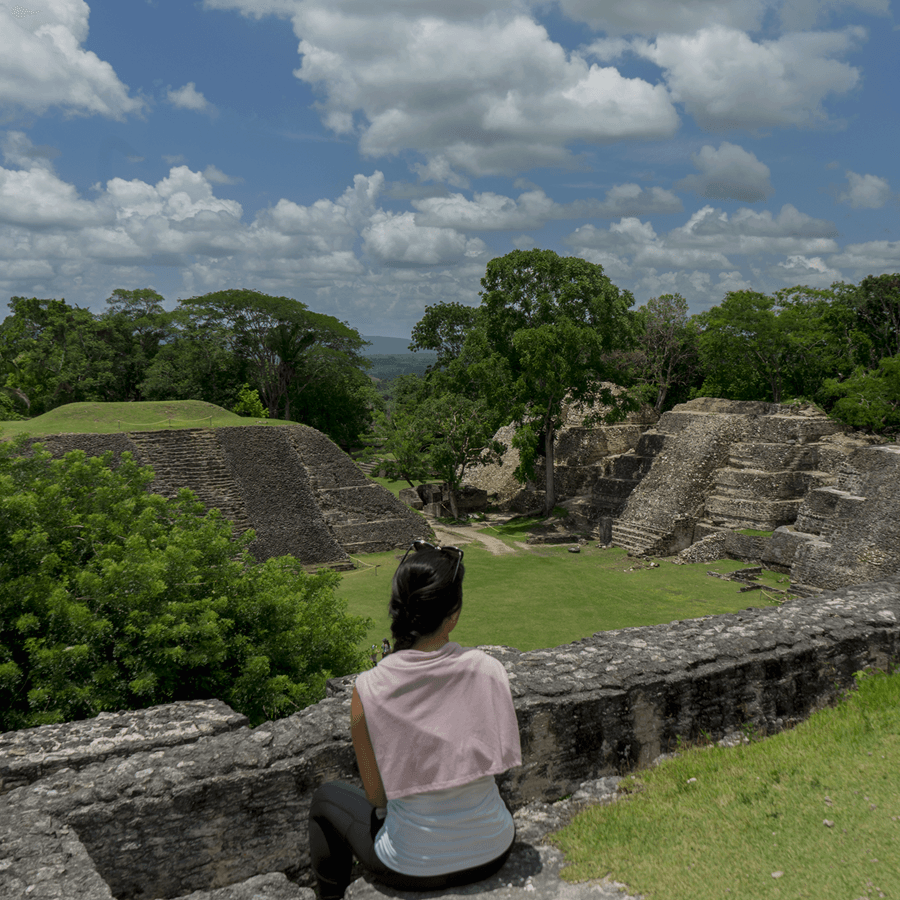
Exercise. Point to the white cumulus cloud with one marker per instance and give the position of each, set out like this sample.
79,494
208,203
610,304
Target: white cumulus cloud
188,97
494,212
865,191
217,176
43,64
654,16
396,240
727,80
475,88
710,239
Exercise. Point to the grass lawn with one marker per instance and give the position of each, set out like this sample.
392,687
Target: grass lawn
389,484
546,596
103,418
812,812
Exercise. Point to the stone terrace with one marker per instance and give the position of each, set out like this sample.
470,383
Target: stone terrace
135,813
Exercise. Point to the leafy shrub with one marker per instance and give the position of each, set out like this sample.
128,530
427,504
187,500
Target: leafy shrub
249,404
115,598
868,398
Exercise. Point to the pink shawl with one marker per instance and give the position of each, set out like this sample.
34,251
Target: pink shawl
439,719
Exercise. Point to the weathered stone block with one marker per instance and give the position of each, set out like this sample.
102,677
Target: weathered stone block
410,496
287,482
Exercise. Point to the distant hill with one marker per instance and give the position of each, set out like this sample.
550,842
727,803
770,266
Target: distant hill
385,346
386,366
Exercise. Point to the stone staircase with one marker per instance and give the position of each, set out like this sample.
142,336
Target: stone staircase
612,490
769,474
369,468
639,539
362,516
851,528
192,458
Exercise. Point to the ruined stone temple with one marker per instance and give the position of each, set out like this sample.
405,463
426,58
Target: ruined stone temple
299,492
825,499
186,801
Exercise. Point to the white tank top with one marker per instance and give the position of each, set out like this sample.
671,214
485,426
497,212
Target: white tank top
437,832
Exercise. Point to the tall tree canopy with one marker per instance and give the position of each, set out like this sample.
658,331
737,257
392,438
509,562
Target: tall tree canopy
554,322
444,329
306,366
667,355
877,303
285,345
760,347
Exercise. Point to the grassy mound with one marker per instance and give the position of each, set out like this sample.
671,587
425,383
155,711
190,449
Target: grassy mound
103,418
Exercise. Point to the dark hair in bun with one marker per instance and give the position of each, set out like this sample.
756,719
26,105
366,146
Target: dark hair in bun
427,588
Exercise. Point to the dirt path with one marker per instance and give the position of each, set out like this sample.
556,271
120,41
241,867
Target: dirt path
466,534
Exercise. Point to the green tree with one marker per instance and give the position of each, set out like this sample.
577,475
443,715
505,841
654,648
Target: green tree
877,303
460,434
400,433
198,362
286,346
249,404
868,398
759,347
55,354
444,328
115,598
554,322
340,401
668,355
431,430
134,325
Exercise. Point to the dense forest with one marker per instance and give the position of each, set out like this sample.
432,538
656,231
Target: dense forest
837,347
221,347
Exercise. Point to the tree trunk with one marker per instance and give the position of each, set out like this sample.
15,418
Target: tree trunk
550,497
454,506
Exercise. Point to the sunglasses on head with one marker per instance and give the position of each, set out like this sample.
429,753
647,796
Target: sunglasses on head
452,552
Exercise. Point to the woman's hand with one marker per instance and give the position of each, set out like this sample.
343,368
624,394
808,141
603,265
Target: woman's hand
365,753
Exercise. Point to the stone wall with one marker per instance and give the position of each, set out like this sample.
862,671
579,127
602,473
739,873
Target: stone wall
121,807
299,492
850,532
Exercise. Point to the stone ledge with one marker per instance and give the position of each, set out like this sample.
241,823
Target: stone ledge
34,753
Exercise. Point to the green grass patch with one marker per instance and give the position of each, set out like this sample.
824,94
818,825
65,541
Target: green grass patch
753,532
547,596
104,418
717,823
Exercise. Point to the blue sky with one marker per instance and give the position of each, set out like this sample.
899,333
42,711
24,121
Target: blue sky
370,158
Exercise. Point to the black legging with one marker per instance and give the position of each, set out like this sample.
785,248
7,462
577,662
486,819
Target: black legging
342,823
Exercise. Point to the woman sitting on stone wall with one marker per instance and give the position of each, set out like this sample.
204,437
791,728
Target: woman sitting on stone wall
431,725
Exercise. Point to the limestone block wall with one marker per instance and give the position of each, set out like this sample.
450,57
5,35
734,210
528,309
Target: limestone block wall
582,457
856,523
659,516
173,817
93,445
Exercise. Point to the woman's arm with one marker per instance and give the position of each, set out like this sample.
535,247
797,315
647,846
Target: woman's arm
365,754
